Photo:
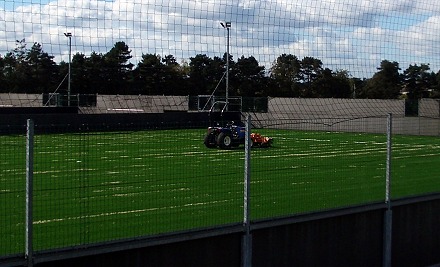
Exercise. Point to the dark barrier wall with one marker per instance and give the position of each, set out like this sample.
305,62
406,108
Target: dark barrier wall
355,239
348,240
219,251
416,234
346,237
39,110
68,120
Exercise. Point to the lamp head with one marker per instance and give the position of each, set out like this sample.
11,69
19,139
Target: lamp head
226,24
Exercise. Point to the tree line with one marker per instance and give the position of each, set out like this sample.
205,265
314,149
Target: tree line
24,70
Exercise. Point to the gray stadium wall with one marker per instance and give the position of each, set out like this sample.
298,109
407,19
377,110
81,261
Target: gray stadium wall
278,107
325,114
349,115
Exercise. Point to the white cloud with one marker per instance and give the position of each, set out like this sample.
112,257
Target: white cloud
345,34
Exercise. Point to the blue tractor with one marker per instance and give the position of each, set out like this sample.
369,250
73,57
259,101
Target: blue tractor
232,135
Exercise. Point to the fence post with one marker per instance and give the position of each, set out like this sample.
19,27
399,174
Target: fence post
29,191
247,237
388,219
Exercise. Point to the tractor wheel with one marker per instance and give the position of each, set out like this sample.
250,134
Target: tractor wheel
224,141
210,141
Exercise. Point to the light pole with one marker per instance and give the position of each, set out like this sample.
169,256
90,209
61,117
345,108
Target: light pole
69,35
227,25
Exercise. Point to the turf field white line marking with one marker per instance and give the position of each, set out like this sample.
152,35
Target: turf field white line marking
301,183
314,140
115,151
105,214
416,156
45,172
94,215
321,154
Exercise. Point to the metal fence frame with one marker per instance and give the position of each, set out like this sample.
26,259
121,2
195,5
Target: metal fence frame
246,228
247,236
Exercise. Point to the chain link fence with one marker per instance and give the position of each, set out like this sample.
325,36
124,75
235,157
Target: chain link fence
95,184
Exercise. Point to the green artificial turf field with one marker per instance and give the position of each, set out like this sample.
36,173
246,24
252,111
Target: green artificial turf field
94,187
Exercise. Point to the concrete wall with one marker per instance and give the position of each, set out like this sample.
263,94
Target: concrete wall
429,108
327,114
137,104
107,103
401,125
278,108
313,108
349,115
21,100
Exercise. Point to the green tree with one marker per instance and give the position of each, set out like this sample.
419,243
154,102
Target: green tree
173,77
249,77
3,83
42,70
205,73
343,85
28,70
15,69
150,74
118,69
284,75
155,75
385,84
329,85
436,90
311,69
94,72
86,73
184,71
418,81
358,87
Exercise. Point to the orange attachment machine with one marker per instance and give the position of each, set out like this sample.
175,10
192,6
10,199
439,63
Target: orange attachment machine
261,141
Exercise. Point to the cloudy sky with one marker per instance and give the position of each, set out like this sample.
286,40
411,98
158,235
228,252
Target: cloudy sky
353,35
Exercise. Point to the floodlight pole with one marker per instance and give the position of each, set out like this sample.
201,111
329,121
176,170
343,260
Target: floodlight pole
69,35
227,25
